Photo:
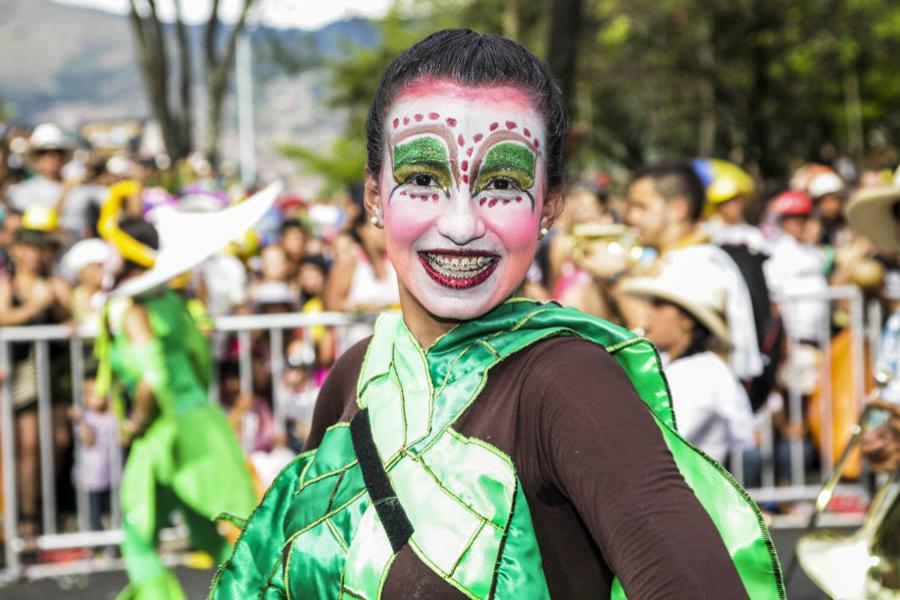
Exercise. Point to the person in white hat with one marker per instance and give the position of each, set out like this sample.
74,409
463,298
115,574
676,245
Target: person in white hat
829,193
49,151
688,326
83,264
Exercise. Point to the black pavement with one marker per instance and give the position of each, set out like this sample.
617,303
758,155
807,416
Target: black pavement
105,586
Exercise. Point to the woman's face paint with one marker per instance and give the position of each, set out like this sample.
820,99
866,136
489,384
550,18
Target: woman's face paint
462,190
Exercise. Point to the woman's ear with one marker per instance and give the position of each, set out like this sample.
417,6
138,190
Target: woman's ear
371,198
553,206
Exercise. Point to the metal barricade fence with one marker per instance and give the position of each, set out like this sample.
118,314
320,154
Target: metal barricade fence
348,328
803,483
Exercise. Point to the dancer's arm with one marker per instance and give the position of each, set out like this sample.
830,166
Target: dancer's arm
154,375
603,451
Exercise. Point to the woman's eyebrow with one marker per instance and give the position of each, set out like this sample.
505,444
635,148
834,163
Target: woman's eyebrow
426,149
498,138
509,155
434,130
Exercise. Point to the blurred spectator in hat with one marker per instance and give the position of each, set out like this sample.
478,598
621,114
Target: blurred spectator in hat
728,191
828,192
688,326
86,264
49,151
798,267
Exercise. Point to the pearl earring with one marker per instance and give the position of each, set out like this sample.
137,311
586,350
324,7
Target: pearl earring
374,221
544,231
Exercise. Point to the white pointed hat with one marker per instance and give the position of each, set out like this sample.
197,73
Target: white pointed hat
186,239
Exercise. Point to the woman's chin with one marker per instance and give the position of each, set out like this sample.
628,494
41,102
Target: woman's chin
458,309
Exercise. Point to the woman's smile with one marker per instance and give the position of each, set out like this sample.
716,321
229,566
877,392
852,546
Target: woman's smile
459,269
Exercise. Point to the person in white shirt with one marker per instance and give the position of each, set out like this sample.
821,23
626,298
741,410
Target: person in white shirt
797,268
49,151
712,411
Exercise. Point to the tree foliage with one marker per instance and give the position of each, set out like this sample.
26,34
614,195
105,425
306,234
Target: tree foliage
763,83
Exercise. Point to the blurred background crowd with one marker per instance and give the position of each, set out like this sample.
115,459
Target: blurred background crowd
727,264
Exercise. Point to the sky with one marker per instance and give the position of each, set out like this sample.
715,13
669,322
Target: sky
307,14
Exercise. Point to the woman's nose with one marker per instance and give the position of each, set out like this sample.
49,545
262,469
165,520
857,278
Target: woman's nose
461,223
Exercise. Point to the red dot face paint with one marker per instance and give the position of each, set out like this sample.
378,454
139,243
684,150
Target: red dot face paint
461,140
396,123
469,151
406,120
483,201
477,137
510,124
465,178
451,122
464,165
419,117
494,126
433,116
526,132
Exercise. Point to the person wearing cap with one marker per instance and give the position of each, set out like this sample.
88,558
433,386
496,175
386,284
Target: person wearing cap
49,151
798,267
828,192
728,190
84,265
688,326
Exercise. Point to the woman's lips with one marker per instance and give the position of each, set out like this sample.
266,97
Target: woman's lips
458,269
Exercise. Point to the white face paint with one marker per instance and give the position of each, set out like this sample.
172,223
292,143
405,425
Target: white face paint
462,190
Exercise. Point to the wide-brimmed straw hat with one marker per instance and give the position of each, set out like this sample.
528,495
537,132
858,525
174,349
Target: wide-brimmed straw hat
873,212
694,291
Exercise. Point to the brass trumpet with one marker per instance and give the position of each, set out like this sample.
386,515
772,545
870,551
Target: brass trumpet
615,240
866,563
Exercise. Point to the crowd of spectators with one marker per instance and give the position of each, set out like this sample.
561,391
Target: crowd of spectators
699,255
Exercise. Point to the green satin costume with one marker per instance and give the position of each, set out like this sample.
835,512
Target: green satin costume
317,532
188,459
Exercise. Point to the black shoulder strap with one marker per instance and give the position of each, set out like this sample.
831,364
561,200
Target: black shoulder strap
387,505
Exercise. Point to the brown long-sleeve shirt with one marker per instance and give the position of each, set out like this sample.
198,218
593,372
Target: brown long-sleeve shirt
605,495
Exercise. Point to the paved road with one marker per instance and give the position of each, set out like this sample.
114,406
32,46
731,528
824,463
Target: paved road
105,586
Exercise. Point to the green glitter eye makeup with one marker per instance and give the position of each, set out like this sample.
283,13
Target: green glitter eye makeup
425,155
510,161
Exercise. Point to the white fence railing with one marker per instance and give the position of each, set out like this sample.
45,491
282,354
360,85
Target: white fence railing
800,483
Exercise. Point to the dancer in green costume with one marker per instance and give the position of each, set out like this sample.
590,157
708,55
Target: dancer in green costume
480,445
183,454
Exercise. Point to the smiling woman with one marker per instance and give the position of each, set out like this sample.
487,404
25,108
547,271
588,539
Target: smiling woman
481,445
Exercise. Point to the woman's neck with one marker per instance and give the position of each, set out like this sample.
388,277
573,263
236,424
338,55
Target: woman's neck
423,325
